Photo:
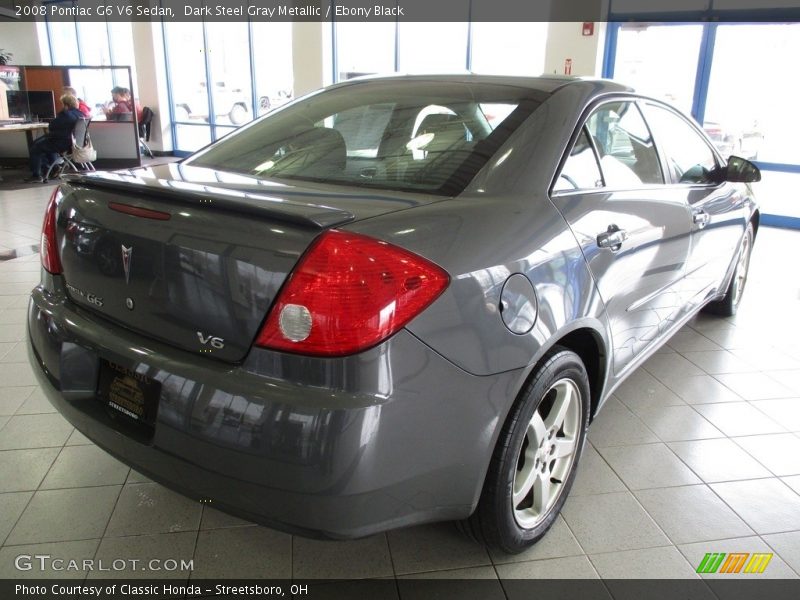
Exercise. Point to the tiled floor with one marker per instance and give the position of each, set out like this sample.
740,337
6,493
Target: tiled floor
698,452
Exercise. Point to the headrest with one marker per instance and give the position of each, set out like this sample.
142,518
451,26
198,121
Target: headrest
438,122
316,151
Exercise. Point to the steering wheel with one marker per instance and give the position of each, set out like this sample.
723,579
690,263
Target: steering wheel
570,180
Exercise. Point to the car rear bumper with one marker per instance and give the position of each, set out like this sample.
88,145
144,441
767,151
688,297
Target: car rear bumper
334,448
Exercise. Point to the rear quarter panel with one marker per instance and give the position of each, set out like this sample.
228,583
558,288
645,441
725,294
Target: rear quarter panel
482,242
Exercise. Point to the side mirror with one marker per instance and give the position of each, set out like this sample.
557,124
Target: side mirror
741,170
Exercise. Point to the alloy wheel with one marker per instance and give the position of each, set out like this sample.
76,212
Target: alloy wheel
547,453
742,267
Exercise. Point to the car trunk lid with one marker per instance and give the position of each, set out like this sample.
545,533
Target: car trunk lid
193,257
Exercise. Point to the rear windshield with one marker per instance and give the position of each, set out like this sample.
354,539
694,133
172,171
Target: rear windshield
415,136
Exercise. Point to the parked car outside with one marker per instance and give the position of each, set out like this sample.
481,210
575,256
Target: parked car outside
229,102
730,140
394,301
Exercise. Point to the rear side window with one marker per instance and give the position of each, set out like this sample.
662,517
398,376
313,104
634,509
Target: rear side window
628,156
688,156
580,170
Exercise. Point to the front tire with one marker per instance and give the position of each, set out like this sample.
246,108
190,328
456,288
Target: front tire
534,462
728,306
238,114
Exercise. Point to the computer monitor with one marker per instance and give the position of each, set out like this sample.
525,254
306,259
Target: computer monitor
42,105
17,104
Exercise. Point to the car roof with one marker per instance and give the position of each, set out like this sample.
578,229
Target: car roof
545,83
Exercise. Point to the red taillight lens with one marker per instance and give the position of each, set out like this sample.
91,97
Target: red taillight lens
349,292
49,250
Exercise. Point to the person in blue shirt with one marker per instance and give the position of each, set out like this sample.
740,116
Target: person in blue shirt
58,139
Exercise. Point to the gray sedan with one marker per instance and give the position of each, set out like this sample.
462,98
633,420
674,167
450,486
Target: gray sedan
394,301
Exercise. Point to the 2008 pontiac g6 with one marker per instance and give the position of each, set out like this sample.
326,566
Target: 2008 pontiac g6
393,301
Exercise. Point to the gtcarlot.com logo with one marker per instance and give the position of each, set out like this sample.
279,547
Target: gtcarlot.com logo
735,562
45,562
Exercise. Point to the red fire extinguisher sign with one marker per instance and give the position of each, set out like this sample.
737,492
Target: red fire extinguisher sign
568,66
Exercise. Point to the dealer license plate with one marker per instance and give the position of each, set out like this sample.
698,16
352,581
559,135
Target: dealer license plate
128,392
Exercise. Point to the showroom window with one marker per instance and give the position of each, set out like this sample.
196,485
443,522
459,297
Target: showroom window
432,47
732,78
508,48
92,44
222,75
642,62
490,48
350,41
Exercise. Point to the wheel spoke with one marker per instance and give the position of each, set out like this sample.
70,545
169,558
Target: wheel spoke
560,406
524,482
537,430
564,447
741,270
542,488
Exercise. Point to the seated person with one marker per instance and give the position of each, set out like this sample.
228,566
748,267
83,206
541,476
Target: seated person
122,106
82,106
58,139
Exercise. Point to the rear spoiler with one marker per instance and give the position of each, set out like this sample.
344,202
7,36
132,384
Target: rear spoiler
316,216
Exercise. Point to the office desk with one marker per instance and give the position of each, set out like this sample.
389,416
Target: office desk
28,128
116,142
10,147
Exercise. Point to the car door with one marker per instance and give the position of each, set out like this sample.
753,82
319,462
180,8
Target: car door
634,233
717,207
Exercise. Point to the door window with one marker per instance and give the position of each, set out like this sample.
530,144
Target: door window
627,155
688,156
580,170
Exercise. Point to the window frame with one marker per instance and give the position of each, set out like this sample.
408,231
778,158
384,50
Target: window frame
587,113
582,130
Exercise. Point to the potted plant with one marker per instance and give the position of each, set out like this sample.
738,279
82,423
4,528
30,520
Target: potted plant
5,56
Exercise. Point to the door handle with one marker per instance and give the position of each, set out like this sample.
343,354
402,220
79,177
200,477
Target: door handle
700,218
612,238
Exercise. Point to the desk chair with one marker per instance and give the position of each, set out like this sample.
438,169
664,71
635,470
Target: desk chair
68,160
144,131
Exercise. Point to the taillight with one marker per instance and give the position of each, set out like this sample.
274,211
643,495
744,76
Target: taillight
49,250
349,292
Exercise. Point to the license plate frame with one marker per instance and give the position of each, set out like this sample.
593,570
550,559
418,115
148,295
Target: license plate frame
128,393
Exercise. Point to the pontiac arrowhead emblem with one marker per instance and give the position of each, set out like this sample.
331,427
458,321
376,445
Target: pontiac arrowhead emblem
126,262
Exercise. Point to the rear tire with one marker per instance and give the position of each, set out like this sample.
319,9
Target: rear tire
728,306
534,462
182,113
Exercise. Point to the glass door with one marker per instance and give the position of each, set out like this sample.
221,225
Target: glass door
738,80
752,105
659,60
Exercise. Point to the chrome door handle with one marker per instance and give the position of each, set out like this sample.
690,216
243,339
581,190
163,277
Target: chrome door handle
700,218
612,238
